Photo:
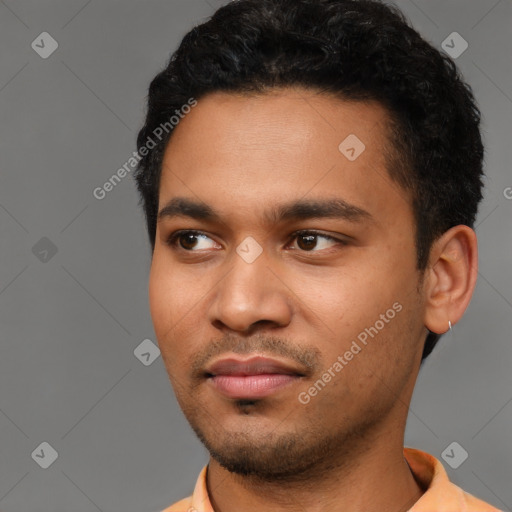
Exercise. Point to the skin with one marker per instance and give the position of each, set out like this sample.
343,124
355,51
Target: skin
297,302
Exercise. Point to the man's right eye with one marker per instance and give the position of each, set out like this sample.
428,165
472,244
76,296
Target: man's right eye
185,240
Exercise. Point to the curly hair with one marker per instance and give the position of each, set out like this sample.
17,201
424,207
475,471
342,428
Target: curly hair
356,50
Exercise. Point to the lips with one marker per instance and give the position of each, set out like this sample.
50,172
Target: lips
252,378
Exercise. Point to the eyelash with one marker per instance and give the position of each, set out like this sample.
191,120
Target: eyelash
173,239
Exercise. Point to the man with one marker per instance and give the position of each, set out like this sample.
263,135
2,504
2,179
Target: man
324,164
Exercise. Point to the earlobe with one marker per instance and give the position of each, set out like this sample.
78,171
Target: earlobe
450,278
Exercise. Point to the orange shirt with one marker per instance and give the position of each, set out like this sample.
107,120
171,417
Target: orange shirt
441,494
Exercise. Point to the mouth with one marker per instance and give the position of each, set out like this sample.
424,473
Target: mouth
256,377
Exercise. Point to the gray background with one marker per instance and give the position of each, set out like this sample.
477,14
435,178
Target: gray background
71,321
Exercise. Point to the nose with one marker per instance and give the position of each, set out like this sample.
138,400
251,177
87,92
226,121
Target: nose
249,294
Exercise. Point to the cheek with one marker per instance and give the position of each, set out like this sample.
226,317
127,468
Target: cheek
160,296
175,301
352,305
341,300
169,292
167,302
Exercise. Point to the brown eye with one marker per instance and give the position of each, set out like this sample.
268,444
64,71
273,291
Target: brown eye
307,240
187,240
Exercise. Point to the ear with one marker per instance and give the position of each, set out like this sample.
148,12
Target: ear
450,277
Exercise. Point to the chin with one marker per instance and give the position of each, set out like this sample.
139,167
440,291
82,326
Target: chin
267,454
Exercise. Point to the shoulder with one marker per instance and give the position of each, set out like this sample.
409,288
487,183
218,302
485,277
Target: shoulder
441,495
475,504
198,501
184,505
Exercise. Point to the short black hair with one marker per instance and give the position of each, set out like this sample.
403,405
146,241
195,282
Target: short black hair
357,50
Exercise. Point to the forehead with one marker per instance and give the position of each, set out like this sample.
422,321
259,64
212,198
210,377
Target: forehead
240,151
281,119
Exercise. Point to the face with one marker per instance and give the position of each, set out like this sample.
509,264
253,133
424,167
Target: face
283,288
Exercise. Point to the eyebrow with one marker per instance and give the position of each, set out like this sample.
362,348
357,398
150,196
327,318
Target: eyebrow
295,210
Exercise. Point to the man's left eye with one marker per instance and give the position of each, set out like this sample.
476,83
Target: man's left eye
308,239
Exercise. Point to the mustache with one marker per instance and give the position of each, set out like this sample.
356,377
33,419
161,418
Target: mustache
309,357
